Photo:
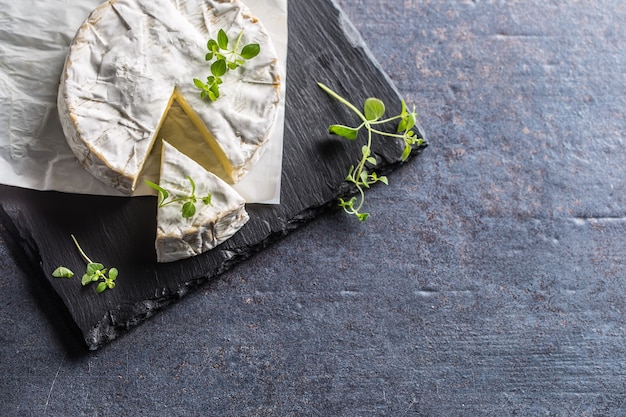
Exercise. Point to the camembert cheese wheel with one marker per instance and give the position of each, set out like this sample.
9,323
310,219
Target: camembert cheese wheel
132,58
179,238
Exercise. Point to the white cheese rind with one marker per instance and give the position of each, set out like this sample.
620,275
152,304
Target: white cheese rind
179,238
124,65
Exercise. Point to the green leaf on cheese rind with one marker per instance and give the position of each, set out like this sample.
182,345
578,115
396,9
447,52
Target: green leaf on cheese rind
222,39
219,67
189,209
163,194
250,51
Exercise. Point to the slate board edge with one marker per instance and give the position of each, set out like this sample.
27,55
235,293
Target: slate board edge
111,326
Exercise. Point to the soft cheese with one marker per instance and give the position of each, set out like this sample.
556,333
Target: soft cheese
132,58
179,238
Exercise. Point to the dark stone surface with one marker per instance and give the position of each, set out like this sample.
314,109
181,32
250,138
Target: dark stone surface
489,281
120,232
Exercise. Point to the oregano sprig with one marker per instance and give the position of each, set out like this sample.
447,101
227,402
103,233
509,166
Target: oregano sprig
225,59
371,118
95,272
188,201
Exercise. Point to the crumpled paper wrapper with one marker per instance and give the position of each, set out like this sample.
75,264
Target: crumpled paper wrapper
34,39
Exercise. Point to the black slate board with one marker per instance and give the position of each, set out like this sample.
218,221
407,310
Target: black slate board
324,47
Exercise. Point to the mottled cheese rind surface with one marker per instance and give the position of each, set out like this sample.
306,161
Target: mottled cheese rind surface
131,58
180,238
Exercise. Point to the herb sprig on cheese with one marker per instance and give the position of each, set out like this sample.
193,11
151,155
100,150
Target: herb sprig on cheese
189,201
225,59
371,117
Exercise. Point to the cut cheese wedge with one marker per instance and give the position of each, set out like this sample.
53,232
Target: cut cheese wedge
132,58
178,237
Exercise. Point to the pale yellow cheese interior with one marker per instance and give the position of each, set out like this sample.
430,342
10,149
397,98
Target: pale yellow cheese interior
183,128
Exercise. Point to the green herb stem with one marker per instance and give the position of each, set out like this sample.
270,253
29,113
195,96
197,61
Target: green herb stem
83,254
346,103
389,135
234,50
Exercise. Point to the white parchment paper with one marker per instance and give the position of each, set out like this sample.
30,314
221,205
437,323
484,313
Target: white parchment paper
34,39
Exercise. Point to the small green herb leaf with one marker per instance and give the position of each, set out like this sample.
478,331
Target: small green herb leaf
347,204
163,194
407,123
102,286
364,179
222,39
86,280
113,273
406,153
214,90
198,83
344,131
250,51
93,267
219,68
373,109
189,209
62,272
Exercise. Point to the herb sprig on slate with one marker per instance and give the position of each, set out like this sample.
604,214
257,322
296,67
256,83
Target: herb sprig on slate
188,201
95,272
371,117
225,59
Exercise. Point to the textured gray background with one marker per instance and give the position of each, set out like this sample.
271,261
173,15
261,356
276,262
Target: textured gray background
489,281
